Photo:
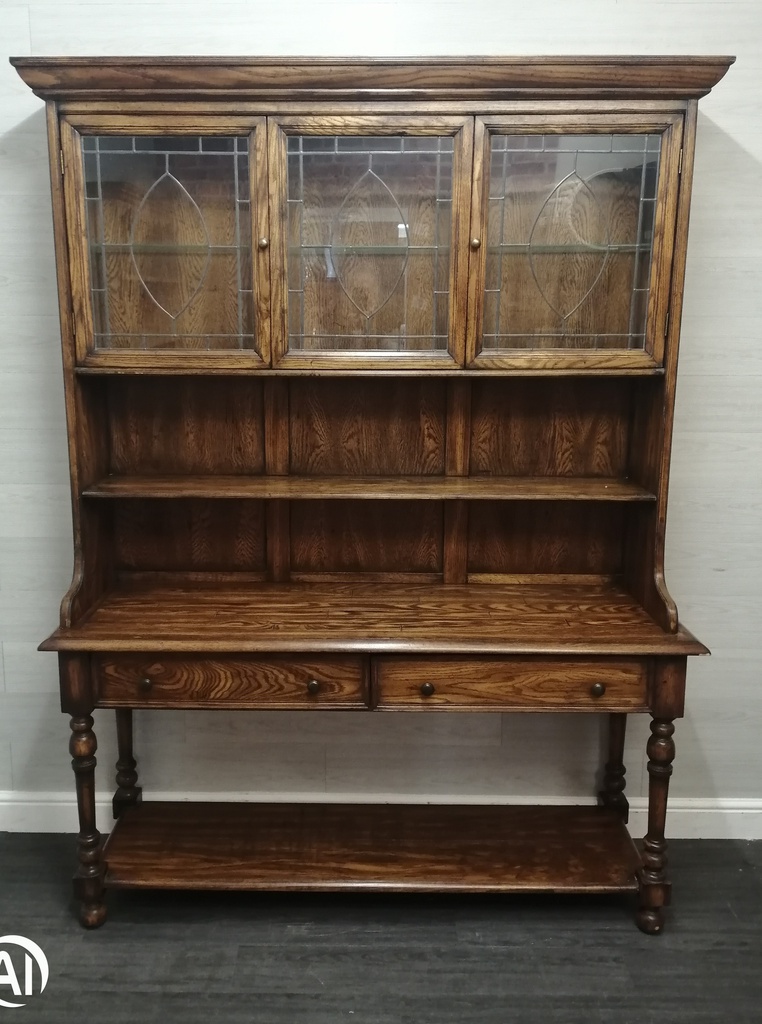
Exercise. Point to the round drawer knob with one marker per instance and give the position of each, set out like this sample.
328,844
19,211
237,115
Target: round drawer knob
313,687
145,684
597,690
476,243
427,689
263,243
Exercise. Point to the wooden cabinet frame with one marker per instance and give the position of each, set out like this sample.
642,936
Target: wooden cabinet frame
461,129
428,532
670,127
73,128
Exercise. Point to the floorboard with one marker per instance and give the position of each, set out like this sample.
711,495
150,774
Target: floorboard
413,959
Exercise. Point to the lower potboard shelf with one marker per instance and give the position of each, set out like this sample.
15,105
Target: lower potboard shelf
391,847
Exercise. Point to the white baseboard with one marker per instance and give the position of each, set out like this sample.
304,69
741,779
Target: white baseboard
687,818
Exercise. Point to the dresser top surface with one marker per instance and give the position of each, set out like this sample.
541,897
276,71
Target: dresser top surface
502,619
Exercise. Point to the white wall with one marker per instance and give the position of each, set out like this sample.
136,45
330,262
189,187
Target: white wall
714,526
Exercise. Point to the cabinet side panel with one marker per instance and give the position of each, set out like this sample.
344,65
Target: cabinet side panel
85,417
653,422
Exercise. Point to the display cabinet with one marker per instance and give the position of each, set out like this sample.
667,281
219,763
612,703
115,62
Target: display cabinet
370,370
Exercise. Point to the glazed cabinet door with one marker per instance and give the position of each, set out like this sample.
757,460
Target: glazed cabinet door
572,230
369,245
163,215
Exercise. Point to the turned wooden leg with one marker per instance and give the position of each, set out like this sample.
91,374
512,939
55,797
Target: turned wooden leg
654,886
612,793
128,793
88,880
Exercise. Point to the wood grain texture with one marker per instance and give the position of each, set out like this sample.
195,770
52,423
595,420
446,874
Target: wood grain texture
277,463
186,425
385,847
190,535
166,681
364,427
549,537
521,684
457,450
475,542
92,572
477,77
569,427
374,618
655,417
366,536
365,488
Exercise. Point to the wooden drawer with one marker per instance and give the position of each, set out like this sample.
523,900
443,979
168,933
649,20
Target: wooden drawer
237,682
516,684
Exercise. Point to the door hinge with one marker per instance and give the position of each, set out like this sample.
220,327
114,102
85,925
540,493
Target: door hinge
666,324
680,162
60,154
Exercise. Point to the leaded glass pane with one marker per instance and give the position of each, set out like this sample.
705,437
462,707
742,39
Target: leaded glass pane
169,232
369,225
569,241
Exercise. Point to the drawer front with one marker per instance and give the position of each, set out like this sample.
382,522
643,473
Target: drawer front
243,681
516,684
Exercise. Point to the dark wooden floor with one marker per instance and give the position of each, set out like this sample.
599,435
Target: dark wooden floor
293,959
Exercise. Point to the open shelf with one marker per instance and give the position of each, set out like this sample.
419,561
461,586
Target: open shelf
435,488
395,618
398,847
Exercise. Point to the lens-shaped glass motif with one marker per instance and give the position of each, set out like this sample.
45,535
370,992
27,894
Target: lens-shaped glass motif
169,232
570,237
369,224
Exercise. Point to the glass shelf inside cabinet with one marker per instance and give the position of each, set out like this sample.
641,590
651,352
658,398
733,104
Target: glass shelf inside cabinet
369,243
570,240
169,233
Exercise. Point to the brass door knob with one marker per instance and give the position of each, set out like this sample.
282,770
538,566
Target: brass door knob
145,684
313,687
597,690
427,689
263,243
476,243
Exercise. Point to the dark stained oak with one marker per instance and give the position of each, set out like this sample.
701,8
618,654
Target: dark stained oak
128,793
529,684
362,536
569,427
88,880
117,78
190,426
549,537
373,617
275,682
193,534
315,480
420,488
397,847
366,427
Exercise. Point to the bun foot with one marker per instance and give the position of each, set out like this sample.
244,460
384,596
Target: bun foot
650,920
92,915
